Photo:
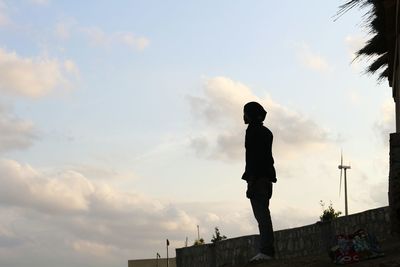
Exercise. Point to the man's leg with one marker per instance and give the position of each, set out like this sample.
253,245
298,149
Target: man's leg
260,205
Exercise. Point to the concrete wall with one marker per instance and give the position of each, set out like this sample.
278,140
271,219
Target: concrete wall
228,252
152,263
317,238
302,241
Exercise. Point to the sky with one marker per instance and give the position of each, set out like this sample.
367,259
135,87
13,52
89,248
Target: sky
121,122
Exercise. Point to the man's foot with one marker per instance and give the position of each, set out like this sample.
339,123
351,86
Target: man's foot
261,257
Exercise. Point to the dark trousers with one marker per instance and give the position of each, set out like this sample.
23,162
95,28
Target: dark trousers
259,199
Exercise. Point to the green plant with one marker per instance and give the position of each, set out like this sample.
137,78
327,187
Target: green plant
328,214
198,242
217,237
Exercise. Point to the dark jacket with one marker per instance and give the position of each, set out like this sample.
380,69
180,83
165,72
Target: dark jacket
259,160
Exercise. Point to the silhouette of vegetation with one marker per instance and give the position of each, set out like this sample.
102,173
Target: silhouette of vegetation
329,213
217,237
377,48
198,242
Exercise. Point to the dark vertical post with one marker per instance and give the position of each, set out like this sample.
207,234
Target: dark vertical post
167,253
394,171
158,257
394,183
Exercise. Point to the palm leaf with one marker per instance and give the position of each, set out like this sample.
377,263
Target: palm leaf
376,45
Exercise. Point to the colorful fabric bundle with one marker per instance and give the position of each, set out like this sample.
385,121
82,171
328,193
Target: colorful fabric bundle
355,247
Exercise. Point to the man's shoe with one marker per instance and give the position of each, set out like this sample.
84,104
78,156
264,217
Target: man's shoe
261,257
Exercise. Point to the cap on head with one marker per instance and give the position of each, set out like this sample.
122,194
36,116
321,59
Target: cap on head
254,112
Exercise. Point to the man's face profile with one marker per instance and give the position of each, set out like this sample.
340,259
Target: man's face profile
245,118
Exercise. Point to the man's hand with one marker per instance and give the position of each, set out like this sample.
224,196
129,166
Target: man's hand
251,187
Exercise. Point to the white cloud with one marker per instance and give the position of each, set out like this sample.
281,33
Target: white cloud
93,248
32,77
386,123
313,60
221,109
70,67
22,185
354,97
98,37
64,28
81,216
8,238
102,172
129,39
4,18
40,2
95,224
379,194
290,217
15,132
212,217
354,43
233,218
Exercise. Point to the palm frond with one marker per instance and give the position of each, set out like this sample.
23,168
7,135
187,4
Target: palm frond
374,46
379,63
377,45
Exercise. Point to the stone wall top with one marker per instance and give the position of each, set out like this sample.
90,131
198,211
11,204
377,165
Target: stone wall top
313,239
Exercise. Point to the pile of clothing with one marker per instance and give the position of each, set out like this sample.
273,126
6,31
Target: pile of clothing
358,246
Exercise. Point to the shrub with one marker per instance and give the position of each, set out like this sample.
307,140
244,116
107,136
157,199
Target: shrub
198,242
217,237
329,213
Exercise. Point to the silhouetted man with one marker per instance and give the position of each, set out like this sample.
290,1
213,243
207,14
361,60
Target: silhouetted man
259,174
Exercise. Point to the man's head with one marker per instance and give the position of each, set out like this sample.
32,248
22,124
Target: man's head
253,112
